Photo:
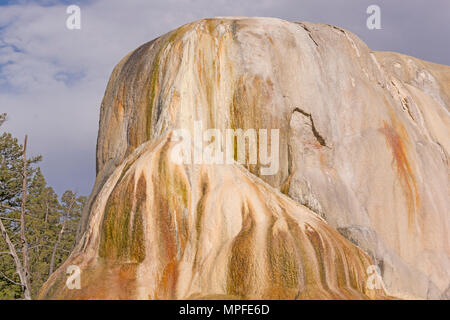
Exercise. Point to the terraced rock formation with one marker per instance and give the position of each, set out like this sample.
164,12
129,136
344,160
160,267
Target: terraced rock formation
363,175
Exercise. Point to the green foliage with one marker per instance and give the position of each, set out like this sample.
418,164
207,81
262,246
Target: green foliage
11,164
51,222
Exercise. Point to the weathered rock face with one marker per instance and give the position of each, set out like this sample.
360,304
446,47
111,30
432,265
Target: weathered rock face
163,231
363,155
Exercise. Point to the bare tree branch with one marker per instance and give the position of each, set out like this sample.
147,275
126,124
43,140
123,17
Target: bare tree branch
17,263
10,280
26,270
2,118
11,219
65,218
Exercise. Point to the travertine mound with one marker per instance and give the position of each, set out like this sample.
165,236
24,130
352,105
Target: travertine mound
364,144
165,231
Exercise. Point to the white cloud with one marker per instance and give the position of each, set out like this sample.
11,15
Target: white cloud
52,79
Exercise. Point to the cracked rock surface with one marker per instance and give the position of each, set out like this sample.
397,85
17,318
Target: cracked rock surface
363,173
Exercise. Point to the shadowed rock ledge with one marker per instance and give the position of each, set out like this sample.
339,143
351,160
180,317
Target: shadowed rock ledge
363,173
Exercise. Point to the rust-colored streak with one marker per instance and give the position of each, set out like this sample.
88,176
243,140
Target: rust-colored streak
319,248
395,137
165,223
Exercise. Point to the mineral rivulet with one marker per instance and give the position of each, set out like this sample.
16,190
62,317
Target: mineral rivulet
362,182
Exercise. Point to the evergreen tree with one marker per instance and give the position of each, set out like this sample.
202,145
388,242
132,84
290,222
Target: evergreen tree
11,178
50,226
43,220
72,207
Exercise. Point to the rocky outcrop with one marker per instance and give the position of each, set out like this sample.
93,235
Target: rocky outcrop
362,179
164,231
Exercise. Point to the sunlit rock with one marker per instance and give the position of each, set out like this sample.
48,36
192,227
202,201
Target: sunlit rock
363,173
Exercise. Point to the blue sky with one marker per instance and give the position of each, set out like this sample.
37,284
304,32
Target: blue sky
52,79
